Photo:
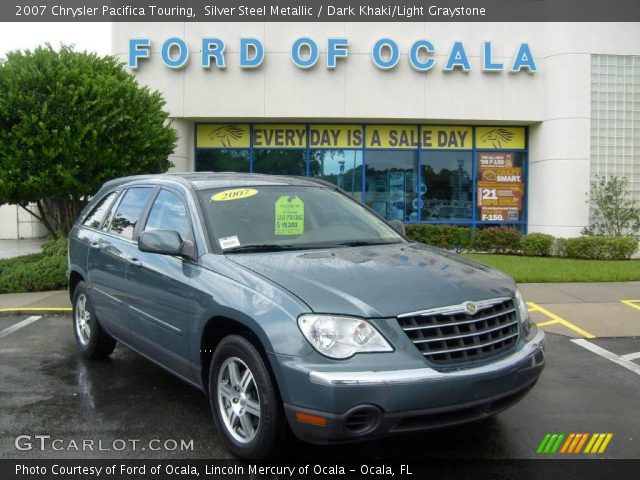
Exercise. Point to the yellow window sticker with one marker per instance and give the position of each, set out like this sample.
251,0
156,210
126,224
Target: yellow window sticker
235,194
289,216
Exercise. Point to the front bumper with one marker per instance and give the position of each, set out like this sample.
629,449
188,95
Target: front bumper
380,403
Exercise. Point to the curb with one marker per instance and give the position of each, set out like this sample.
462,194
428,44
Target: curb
35,309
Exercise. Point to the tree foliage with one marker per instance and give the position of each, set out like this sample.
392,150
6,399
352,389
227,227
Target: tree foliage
70,121
614,213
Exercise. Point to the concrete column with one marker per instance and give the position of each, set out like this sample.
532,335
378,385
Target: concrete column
183,156
559,148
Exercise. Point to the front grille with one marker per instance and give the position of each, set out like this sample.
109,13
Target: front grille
451,336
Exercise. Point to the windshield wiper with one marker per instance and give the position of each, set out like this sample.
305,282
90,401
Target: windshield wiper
266,247
363,243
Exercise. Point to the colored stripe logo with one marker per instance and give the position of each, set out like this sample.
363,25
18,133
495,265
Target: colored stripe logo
574,443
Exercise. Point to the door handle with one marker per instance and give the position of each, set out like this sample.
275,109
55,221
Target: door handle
134,261
96,245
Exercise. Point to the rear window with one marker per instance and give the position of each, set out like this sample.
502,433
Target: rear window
129,211
94,219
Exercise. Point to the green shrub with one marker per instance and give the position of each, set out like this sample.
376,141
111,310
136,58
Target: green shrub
598,247
36,272
57,247
621,248
537,245
498,239
443,236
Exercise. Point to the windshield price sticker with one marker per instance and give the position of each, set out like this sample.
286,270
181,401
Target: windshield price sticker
289,216
229,242
235,194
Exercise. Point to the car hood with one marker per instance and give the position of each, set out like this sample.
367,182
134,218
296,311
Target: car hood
378,281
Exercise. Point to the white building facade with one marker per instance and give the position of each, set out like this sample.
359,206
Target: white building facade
463,123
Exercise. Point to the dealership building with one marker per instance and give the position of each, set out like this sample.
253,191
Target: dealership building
459,123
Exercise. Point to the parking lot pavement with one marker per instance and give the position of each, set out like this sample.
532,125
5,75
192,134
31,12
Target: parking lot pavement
48,389
585,310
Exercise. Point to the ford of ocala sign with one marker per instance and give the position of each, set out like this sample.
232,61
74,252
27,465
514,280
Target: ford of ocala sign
305,53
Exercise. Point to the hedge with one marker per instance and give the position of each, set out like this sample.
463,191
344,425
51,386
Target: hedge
507,240
537,245
597,247
498,240
36,272
442,236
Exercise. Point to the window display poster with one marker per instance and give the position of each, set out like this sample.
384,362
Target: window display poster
396,196
500,187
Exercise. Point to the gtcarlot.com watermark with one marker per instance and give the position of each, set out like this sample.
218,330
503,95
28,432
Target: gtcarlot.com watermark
47,442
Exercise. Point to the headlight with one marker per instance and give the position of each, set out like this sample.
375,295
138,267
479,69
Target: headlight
341,337
523,312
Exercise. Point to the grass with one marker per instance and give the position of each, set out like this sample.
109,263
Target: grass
553,269
36,272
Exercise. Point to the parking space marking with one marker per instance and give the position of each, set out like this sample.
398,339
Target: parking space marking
632,303
631,356
19,325
620,360
534,307
36,309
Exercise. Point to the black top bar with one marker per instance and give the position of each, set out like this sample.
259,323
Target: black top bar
320,10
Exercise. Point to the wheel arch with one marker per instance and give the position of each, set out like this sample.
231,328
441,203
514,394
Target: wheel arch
219,327
75,278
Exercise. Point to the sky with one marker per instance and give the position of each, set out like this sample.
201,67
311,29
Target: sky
90,36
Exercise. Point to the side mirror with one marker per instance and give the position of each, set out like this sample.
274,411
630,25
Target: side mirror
164,242
398,226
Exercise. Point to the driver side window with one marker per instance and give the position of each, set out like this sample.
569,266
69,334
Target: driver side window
169,212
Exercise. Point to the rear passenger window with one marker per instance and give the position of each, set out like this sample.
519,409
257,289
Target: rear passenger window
126,218
169,213
94,219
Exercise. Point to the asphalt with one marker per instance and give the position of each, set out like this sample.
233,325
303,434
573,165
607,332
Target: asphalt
48,389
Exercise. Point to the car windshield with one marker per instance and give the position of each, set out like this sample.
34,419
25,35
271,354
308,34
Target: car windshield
279,217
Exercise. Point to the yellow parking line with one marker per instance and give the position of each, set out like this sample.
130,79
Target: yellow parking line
544,324
36,309
560,320
632,303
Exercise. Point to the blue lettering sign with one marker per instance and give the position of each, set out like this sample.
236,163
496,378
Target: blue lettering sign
524,59
138,48
336,47
183,53
414,56
296,54
246,59
489,64
212,48
394,54
458,58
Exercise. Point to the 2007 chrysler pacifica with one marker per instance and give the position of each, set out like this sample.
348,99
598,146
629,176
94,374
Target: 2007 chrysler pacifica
294,307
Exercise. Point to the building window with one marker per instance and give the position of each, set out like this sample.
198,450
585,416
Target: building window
280,162
615,118
447,186
390,183
456,174
340,167
209,160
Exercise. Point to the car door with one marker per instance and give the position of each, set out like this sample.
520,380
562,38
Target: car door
158,289
109,255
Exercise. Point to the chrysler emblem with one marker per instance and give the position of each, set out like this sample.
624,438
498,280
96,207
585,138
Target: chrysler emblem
470,308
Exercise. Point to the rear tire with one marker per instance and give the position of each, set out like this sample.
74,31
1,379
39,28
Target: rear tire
246,408
94,342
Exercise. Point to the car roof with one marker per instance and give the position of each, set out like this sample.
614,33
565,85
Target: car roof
209,180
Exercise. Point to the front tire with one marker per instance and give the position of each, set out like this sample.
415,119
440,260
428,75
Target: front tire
94,342
244,402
